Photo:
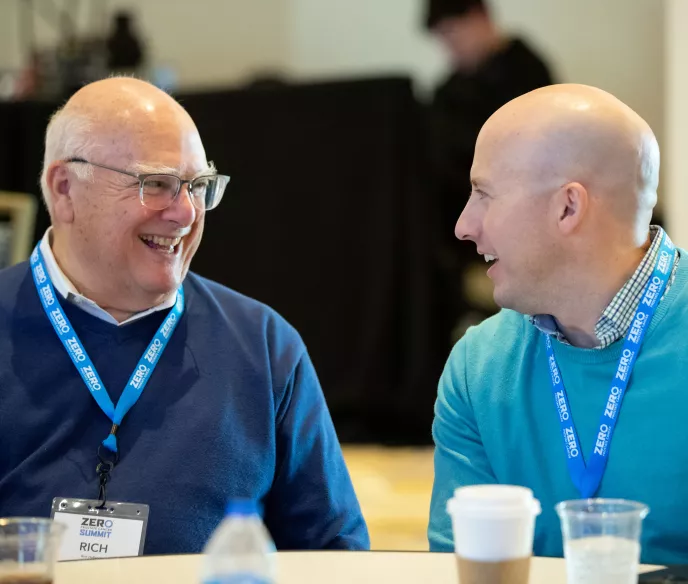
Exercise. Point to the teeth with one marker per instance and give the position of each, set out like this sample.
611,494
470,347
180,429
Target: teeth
162,241
490,258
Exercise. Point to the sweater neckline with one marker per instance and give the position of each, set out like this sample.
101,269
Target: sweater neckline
82,321
613,351
85,323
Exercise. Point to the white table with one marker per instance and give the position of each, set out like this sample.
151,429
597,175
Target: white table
297,568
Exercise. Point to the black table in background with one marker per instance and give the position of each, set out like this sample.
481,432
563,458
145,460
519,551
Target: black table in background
327,220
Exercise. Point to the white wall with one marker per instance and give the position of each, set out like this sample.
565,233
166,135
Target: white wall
614,44
362,37
9,56
215,42
676,144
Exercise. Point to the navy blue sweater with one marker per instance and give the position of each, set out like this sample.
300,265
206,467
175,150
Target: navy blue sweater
233,409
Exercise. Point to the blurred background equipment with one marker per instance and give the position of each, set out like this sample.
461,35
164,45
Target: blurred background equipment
17,218
88,44
76,55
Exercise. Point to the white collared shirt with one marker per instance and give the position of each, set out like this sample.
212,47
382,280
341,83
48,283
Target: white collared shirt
68,291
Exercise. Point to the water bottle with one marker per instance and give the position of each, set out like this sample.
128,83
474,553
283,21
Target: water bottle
240,550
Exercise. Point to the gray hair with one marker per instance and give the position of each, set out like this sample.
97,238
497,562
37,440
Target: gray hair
69,134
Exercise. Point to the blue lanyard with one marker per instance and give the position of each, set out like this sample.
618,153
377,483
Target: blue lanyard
65,331
587,479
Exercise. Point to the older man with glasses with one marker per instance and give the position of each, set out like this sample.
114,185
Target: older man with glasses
197,394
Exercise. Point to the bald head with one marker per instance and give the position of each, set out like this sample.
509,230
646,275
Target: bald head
119,95
564,183
117,119
575,133
125,106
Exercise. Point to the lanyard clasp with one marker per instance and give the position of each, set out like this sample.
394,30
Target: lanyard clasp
103,470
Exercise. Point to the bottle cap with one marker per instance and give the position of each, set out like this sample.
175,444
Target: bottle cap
242,507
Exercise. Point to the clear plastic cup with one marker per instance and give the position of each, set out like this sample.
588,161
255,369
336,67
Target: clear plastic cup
602,540
28,550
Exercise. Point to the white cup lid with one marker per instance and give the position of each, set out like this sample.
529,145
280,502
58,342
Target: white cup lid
493,501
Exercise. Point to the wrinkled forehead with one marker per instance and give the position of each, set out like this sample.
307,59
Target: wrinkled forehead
167,140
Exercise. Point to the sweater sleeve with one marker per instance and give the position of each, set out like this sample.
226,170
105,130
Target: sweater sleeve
460,457
312,504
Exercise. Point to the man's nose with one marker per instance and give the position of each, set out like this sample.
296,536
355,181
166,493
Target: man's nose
182,210
468,224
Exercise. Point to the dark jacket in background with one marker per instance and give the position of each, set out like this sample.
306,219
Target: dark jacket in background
460,107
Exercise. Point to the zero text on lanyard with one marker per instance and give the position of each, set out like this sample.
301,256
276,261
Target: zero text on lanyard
587,478
77,352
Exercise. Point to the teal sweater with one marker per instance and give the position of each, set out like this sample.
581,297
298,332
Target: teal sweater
495,422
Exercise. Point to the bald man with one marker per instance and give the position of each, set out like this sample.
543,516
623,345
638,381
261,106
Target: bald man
577,387
198,395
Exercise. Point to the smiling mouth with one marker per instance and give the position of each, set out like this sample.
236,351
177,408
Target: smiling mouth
167,245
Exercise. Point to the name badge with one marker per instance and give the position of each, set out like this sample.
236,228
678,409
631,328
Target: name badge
116,531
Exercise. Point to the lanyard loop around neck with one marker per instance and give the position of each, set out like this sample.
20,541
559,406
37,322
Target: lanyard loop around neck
587,478
77,352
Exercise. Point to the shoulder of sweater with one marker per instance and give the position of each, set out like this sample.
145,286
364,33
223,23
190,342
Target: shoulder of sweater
14,275
505,326
494,339
241,314
11,281
485,349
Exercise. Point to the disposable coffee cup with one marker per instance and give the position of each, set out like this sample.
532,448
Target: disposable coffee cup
493,533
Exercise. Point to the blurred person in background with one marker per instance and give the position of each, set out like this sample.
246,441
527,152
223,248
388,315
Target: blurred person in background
125,50
488,69
113,353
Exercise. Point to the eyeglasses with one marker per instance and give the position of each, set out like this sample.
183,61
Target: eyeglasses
158,191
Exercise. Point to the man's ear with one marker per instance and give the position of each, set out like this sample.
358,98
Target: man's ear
571,206
60,183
